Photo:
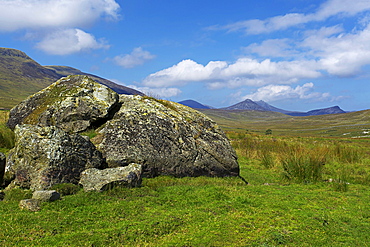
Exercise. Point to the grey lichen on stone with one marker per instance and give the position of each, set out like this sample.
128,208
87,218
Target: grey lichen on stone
167,138
99,180
30,204
46,195
44,156
73,103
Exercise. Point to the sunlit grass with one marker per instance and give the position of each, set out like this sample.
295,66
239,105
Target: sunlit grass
303,191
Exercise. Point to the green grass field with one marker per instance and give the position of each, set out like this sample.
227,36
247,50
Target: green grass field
305,188
354,124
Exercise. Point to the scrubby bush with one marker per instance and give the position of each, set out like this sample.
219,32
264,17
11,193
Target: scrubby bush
17,194
66,189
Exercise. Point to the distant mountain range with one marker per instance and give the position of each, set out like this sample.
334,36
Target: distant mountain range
21,76
261,105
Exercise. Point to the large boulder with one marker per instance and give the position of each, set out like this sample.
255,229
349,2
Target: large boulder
99,180
44,156
73,103
166,138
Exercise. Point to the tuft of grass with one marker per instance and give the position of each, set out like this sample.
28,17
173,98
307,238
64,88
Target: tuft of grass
347,154
89,133
267,160
302,166
341,183
165,103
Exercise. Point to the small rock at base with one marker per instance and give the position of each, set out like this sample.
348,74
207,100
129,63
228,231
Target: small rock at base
30,204
99,180
46,195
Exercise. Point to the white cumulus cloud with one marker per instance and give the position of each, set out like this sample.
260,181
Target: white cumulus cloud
278,92
137,57
326,10
328,49
244,72
36,14
68,41
343,54
272,48
55,25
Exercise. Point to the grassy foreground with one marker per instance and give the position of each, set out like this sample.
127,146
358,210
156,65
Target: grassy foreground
302,192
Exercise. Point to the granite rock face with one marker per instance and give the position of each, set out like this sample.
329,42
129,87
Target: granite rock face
166,138
44,156
99,180
73,103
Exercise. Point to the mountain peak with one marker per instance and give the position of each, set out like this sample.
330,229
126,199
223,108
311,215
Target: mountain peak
13,53
194,104
247,104
329,110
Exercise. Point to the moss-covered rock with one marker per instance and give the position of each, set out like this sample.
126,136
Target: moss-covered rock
166,138
44,156
73,103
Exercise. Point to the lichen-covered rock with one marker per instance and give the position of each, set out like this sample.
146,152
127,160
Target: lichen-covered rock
2,168
99,180
46,195
167,139
44,156
30,204
73,103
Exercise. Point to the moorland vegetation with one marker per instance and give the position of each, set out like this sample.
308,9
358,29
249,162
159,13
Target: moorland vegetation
308,186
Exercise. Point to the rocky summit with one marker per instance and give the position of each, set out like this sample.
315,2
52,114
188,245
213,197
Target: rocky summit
163,137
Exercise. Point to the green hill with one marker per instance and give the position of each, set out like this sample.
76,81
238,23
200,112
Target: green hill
21,76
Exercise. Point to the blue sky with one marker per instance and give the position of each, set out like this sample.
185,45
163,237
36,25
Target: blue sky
294,54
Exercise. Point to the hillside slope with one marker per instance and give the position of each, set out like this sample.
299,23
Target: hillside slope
352,124
21,76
